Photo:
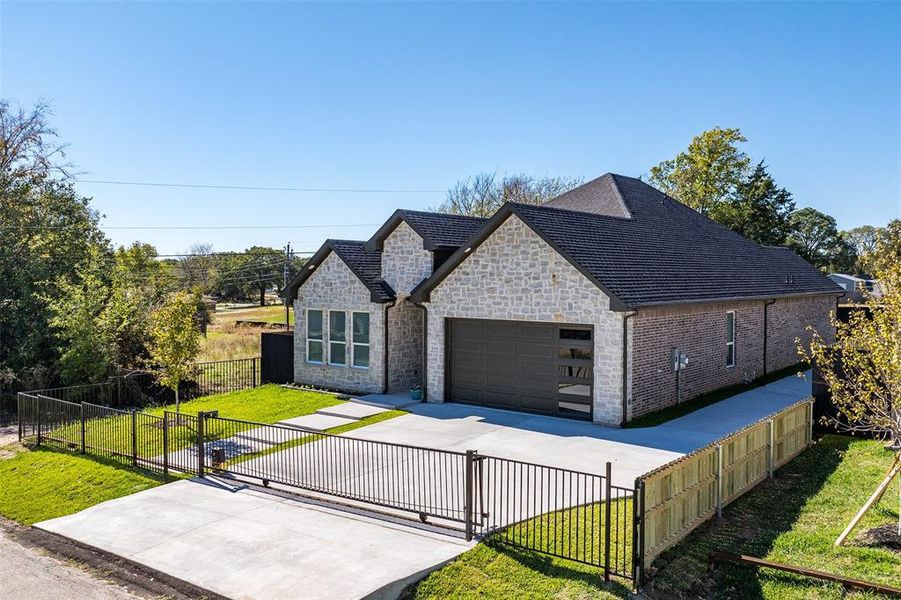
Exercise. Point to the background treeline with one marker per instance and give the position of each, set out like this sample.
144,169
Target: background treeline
74,309
717,178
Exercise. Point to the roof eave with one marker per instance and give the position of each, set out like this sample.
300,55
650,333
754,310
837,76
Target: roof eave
668,303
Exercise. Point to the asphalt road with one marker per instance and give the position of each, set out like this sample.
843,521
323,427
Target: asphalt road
28,573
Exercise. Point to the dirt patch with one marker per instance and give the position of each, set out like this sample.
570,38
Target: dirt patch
136,578
884,536
8,435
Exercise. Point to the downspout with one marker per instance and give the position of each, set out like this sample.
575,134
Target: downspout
626,366
385,374
765,330
425,348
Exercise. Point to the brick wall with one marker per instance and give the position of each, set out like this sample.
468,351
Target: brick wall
700,332
333,286
787,322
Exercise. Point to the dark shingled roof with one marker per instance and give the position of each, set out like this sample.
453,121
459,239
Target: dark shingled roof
665,253
365,264
450,231
437,230
600,196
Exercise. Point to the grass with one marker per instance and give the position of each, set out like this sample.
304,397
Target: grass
496,570
793,519
44,483
680,410
265,404
227,341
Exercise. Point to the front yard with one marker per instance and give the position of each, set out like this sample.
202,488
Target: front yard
45,483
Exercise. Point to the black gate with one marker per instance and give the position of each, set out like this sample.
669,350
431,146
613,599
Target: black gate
277,362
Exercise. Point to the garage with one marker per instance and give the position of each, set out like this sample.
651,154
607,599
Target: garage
544,368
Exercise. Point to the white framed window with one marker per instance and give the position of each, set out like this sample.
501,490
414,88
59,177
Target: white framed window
337,338
360,341
314,336
730,338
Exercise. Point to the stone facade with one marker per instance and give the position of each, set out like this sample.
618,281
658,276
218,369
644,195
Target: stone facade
516,275
404,346
700,331
404,262
333,286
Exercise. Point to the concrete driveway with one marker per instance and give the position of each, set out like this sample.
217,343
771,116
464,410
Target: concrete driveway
243,543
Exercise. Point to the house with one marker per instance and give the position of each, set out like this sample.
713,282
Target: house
608,302
856,287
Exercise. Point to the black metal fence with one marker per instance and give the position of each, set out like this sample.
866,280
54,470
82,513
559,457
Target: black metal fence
554,511
140,389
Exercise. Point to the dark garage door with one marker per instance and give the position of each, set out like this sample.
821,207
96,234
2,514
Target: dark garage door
536,367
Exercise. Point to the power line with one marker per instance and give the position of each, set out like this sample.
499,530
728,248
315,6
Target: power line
261,188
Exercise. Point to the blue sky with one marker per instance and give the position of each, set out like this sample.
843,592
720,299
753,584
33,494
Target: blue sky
418,96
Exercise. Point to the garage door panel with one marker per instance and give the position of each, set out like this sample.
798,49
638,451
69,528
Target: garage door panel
510,364
499,398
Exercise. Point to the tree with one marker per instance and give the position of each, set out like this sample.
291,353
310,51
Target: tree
760,210
175,341
101,315
47,232
862,239
707,173
482,194
863,367
814,236
76,305
887,249
197,266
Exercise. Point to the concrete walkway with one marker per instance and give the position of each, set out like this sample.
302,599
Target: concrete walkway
242,543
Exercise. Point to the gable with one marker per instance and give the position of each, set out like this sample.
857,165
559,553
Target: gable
332,283
404,262
515,267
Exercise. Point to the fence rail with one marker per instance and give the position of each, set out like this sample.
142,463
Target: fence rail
140,389
681,495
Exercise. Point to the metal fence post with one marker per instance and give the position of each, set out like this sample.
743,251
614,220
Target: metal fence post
20,413
771,448
200,447
719,481
83,445
607,514
38,417
166,444
467,501
639,580
134,437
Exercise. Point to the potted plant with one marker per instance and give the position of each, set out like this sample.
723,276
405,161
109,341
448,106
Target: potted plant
416,391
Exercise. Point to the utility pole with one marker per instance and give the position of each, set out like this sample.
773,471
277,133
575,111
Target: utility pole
285,285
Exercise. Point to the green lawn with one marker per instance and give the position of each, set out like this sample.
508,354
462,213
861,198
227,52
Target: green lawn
680,410
43,484
793,519
496,570
265,404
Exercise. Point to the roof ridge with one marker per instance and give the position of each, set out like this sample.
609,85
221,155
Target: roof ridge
441,214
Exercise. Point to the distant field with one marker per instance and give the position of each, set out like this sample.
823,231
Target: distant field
226,341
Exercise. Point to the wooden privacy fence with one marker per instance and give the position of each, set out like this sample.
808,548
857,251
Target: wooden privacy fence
679,496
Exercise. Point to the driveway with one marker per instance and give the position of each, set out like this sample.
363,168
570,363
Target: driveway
244,543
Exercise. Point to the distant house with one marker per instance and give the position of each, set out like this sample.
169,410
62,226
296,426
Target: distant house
581,307
856,287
